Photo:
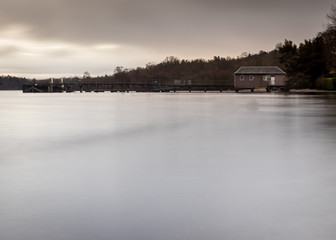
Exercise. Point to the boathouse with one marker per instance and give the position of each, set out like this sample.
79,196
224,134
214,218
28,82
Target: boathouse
251,77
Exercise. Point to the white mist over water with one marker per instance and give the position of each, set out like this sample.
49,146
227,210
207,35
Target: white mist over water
127,166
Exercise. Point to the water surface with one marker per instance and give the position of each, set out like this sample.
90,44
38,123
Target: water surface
168,166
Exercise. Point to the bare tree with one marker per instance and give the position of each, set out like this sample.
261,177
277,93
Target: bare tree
86,74
171,60
119,69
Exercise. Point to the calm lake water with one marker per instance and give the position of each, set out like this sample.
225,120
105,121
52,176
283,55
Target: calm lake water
169,166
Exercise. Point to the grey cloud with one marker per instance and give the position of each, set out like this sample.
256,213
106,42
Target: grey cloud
134,21
125,20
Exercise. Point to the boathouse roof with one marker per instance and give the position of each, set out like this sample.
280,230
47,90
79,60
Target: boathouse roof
259,70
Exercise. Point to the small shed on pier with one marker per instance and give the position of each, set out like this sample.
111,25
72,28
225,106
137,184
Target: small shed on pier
251,77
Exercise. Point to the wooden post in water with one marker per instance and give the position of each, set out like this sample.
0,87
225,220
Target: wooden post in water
62,85
50,85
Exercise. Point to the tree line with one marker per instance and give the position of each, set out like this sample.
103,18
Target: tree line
312,64
218,70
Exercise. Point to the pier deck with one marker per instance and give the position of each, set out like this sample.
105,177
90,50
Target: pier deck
40,87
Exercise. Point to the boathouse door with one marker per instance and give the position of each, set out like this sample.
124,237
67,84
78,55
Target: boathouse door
272,80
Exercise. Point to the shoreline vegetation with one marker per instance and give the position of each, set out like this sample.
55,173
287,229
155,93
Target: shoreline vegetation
309,65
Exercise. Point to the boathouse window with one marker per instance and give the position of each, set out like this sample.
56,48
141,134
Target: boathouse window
241,77
267,78
251,77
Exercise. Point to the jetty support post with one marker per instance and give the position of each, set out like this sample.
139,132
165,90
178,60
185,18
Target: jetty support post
51,85
62,84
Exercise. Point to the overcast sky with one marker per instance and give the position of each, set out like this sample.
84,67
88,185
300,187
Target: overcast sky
44,38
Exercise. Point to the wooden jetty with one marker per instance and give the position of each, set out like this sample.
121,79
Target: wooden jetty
86,85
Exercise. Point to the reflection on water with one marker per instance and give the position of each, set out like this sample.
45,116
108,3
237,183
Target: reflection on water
167,166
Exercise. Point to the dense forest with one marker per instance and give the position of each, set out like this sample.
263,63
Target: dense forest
310,64
216,70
